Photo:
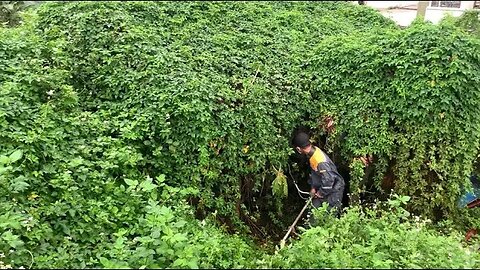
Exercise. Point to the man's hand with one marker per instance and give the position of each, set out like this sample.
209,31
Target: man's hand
329,125
315,194
366,160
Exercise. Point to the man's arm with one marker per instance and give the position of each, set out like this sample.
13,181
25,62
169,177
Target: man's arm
315,184
327,180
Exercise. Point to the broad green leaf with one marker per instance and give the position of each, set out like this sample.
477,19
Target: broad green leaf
15,156
147,185
131,183
11,239
161,178
279,185
18,184
4,159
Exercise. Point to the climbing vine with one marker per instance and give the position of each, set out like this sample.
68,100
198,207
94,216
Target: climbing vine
139,134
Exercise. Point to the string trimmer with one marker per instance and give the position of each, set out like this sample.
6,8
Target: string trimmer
282,243
309,199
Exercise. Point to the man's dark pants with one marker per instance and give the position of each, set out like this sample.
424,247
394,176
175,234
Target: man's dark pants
334,200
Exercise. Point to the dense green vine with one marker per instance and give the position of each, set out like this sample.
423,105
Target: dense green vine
408,97
129,132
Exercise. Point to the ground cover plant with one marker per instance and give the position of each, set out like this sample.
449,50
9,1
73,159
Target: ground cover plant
146,134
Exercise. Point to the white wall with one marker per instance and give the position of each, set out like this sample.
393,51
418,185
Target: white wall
390,4
403,17
435,14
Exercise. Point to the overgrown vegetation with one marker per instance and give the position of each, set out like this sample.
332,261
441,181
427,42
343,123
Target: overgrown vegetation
10,12
203,91
376,238
408,98
138,134
470,21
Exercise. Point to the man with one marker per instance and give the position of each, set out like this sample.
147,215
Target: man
326,183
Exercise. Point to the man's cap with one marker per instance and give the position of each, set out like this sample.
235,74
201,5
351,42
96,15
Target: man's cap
301,140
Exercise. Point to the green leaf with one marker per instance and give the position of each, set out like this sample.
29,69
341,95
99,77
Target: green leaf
15,156
131,183
18,184
279,185
12,240
8,220
4,159
178,237
405,199
147,185
5,169
192,264
160,178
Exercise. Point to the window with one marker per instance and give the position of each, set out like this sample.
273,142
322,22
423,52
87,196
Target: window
476,4
445,4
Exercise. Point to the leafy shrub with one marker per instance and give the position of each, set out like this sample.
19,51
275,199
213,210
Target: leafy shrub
204,91
76,193
10,12
407,97
140,223
470,21
103,99
374,239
